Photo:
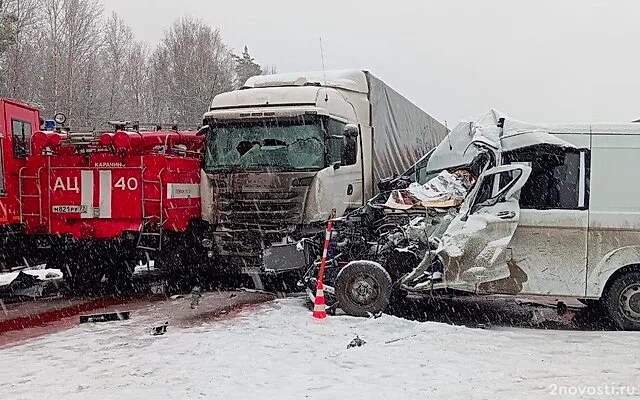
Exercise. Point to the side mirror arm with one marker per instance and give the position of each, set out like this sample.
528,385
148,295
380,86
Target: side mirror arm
202,131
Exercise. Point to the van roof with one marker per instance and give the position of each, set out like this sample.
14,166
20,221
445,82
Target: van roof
595,128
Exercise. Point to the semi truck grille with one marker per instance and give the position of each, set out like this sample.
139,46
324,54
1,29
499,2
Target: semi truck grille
250,222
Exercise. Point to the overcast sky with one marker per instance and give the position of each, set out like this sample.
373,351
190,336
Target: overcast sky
537,61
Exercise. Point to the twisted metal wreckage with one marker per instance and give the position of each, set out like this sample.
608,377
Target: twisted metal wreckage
445,224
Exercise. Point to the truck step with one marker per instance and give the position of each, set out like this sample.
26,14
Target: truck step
148,248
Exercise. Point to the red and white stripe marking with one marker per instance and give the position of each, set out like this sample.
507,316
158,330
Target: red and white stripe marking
106,190
86,193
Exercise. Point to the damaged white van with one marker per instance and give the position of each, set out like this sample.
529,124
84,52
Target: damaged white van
550,211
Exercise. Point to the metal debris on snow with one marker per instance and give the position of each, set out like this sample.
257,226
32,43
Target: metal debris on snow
159,330
356,342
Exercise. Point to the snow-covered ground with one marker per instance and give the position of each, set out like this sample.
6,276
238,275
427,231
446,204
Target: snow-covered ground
279,352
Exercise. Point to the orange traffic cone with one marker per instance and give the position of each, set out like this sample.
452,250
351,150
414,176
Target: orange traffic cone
319,307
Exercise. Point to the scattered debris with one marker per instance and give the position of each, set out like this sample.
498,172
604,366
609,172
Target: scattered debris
399,339
443,191
146,269
356,342
562,308
376,315
159,330
255,291
548,318
107,317
33,282
196,295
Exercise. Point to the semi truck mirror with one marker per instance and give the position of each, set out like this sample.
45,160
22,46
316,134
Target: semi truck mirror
336,166
349,151
202,130
351,130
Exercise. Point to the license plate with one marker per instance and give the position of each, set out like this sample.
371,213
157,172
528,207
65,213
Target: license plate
283,258
70,209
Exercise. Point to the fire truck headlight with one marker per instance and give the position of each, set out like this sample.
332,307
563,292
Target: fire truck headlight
60,118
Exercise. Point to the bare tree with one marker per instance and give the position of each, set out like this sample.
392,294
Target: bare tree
7,19
72,40
64,56
269,69
18,20
51,42
118,44
136,79
157,88
190,66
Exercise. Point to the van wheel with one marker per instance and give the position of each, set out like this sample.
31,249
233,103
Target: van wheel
363,288
622,301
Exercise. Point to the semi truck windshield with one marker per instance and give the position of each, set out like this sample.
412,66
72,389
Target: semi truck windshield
285,145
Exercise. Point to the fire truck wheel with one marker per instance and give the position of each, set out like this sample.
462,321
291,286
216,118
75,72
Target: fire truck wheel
119,278
178,277
81,280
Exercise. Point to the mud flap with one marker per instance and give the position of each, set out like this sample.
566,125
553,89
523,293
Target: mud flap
475,244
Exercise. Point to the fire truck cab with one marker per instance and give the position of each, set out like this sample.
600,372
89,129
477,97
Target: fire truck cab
18,122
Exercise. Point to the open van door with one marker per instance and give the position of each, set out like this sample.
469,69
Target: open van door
475,244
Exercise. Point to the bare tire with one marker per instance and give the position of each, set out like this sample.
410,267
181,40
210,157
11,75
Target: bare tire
363,288
622,301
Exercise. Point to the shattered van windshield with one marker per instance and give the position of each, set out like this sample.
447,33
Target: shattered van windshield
291,144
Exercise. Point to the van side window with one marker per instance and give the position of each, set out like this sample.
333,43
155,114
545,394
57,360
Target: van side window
555,177
21,132
493,185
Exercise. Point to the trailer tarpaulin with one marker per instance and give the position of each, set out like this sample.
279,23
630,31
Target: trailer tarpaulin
402,132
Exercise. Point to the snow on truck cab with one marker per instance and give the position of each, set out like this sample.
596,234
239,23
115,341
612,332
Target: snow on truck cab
286,149
549,214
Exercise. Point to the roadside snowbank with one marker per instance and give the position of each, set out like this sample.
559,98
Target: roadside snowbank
280,352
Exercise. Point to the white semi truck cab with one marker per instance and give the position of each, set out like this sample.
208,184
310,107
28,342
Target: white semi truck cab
286,150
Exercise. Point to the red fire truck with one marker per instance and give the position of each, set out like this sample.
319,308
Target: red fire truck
91,204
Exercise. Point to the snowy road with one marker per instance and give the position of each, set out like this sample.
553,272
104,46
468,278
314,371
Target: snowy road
278,352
